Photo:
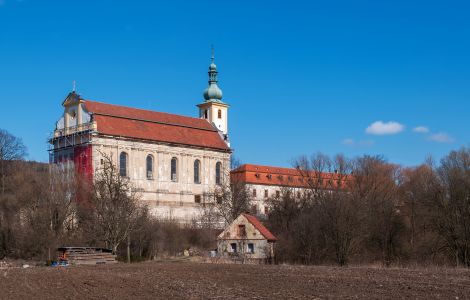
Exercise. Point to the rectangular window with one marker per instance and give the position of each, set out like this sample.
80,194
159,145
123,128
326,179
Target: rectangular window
234,247
278,194
254,192
266,210
241,230
266,194
197,198
251,248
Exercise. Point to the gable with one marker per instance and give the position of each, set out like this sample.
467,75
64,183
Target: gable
255,230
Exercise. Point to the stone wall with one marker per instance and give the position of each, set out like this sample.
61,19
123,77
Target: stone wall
165,197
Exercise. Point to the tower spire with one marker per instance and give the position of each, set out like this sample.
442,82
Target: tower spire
212,57
213,92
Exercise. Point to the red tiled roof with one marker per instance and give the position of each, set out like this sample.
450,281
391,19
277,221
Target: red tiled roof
275,176
154,126
260,227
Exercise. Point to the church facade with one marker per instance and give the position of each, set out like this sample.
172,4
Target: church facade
175,162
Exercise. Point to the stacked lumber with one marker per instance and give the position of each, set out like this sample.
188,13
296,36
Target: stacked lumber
86,256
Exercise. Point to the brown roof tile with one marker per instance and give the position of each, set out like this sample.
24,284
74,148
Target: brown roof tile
154,126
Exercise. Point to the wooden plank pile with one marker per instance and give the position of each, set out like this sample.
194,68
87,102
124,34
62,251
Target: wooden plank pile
85,256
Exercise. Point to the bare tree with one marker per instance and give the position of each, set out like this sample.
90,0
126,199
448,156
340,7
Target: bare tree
332,202
232,199
376,183
452,204
115,205
11,148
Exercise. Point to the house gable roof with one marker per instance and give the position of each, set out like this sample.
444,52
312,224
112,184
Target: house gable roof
136,123
260,227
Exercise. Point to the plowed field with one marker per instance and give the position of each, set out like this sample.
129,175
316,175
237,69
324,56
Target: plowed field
211,281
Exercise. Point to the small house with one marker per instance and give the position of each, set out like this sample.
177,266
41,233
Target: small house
248,240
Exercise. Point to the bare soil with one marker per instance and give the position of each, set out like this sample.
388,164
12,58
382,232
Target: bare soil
186,280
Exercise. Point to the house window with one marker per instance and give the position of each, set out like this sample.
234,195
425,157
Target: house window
234,247
197,171
298,195
266,194
254,192
241,230
219,200
218,173
123,158
174,168
219,114
149,167
251,248
206,114
278,194
254,209
266,210
197,198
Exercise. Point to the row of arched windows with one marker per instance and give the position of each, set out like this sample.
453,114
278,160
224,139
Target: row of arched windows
124,166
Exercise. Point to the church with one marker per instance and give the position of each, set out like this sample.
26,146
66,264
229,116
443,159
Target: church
175,162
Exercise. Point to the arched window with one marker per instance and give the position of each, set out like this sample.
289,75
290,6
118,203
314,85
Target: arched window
218,173
197,171
219,114
149,166
123,164
174,169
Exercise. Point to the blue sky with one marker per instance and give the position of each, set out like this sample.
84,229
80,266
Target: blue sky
352,77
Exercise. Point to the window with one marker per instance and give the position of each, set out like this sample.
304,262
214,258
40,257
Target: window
219,114
241,231
123,157
278,194
234,247
174,168
197,171
250,248
254,209
219,200
149,167
254,192
266,194
206,114
298,195
266,210
197,198
218,173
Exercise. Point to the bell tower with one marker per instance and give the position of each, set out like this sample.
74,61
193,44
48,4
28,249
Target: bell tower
213,109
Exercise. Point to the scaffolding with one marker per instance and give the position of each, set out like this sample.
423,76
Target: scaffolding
65,139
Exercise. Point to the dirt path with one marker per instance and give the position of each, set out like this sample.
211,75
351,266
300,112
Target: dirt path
207,281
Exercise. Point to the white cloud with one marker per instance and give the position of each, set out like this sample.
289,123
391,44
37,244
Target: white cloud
381,128
348,142
441,137
421,129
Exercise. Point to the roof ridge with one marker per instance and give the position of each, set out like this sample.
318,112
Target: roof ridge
211,129
146,110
